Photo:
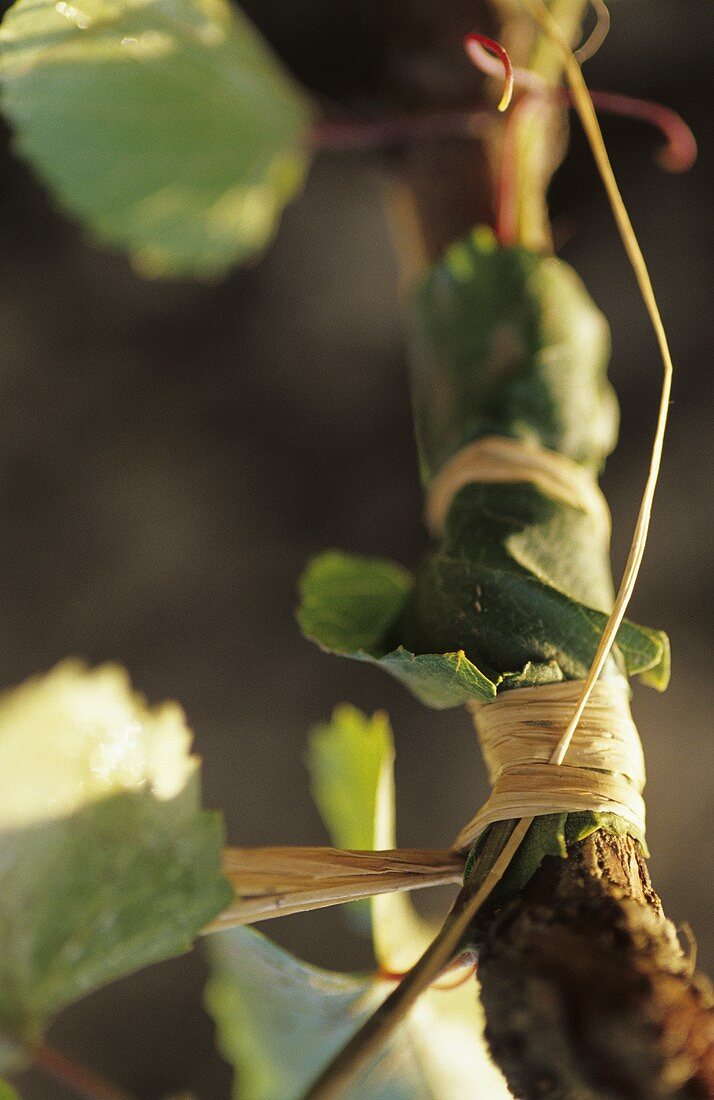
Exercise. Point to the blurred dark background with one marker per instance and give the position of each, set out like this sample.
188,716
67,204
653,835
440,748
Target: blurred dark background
173,453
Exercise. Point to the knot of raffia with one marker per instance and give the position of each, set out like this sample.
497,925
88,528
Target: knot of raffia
519,732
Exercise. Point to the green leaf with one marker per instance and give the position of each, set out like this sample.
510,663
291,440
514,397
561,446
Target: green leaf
438,680
7,1092
102,840
166,126
509,582
545,837
581,824
532,675
503,592
350,760
280,1021
352,606
508,342
351,764
647,654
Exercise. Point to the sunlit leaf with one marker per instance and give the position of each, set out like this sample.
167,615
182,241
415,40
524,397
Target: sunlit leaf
351,762
352,606
518,578
280,1021
508,342
107,862
166,126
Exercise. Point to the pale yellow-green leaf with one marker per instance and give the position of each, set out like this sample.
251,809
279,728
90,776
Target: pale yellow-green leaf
75,736
352,764
350,760
166,126
107,862
280,1021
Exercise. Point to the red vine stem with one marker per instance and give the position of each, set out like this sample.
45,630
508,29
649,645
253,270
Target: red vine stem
84,1082
678,155
384,132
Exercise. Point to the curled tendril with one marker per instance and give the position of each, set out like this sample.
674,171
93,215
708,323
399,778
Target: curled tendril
480,50
680,150
678,154
599,33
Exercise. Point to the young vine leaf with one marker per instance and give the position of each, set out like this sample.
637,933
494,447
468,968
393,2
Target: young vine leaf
517,589
351,605
495,586
348,608
353,752
280,1020
508,342
103,842
166,126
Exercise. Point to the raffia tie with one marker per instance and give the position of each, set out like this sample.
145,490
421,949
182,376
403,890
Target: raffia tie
495,458
604,768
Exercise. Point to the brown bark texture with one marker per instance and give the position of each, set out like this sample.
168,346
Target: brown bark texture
587,992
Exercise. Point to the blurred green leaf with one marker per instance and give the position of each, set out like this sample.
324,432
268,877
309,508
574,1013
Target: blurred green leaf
350,760
167,126
351,763
107,862
519,578
280,1021
352,606
508,342
7,1092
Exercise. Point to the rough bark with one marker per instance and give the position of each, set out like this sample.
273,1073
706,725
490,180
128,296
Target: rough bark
586,989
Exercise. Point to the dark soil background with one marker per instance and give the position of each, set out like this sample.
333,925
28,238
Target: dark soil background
171,455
